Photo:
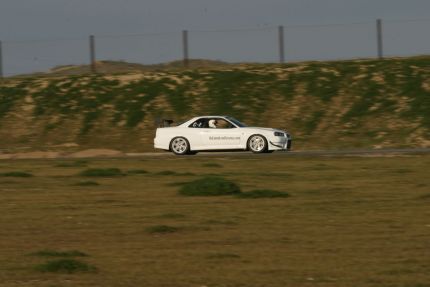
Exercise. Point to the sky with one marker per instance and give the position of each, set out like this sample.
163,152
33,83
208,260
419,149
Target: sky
40,34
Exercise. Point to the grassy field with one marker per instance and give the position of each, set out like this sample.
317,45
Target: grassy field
347,221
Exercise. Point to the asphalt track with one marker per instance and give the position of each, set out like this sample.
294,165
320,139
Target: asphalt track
313,153
231,154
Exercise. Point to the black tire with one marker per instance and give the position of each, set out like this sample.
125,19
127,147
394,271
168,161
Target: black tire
180,146
257,144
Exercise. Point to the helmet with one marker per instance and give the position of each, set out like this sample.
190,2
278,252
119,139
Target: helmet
212,124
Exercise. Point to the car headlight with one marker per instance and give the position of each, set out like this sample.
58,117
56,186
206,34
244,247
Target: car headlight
279,134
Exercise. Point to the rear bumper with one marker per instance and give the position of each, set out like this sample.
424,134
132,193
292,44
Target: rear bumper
161,144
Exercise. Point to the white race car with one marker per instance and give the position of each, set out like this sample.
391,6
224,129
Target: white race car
208,133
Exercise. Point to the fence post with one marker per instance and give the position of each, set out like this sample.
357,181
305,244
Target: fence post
93,54
185,47
281,44
380,39
1,61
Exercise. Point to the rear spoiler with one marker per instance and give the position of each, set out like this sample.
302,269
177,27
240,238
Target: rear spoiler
164,123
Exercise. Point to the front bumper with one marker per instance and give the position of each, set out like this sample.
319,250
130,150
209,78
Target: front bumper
283,144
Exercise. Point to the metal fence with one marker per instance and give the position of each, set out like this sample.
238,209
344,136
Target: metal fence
376,39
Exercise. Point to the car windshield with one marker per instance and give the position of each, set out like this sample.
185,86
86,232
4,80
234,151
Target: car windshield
236,122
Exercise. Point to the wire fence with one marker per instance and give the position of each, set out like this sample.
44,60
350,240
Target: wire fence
293,43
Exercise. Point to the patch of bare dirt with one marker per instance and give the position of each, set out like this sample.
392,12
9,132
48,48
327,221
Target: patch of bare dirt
162,103
426,86
32,155
330,71
96,153
420,138
66,145
379,78
125,79
337,108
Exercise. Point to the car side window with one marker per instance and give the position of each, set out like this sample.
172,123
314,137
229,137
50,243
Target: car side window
204,124
223,124
200,123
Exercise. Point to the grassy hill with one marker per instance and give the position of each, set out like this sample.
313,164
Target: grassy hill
324,105
116,67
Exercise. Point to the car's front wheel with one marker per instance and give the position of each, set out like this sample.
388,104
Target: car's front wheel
180,146
257,144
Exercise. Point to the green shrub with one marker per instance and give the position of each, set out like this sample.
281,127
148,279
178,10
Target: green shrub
77,163
424,196
162,229
53,253
263,193
137,171
186,174
170,172
65,266
211,164
210,186
16,174
167,172
102,172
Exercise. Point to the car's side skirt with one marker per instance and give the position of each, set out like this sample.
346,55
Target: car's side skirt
232,147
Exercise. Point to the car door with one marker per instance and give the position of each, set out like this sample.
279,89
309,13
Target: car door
223,137
194,134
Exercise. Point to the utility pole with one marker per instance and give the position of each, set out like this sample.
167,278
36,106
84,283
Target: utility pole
1,61
93,54
281,44
185,47
380,39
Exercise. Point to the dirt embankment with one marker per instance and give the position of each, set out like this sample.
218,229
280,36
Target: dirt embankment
324,105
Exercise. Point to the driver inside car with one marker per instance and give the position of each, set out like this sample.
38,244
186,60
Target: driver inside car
213,124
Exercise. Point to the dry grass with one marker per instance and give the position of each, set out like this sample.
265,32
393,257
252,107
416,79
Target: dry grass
348,222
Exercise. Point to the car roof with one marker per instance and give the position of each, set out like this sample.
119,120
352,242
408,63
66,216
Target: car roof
213,116
203,117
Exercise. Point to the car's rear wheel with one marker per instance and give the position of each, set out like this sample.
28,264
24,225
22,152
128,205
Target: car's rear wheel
257,144
180,146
